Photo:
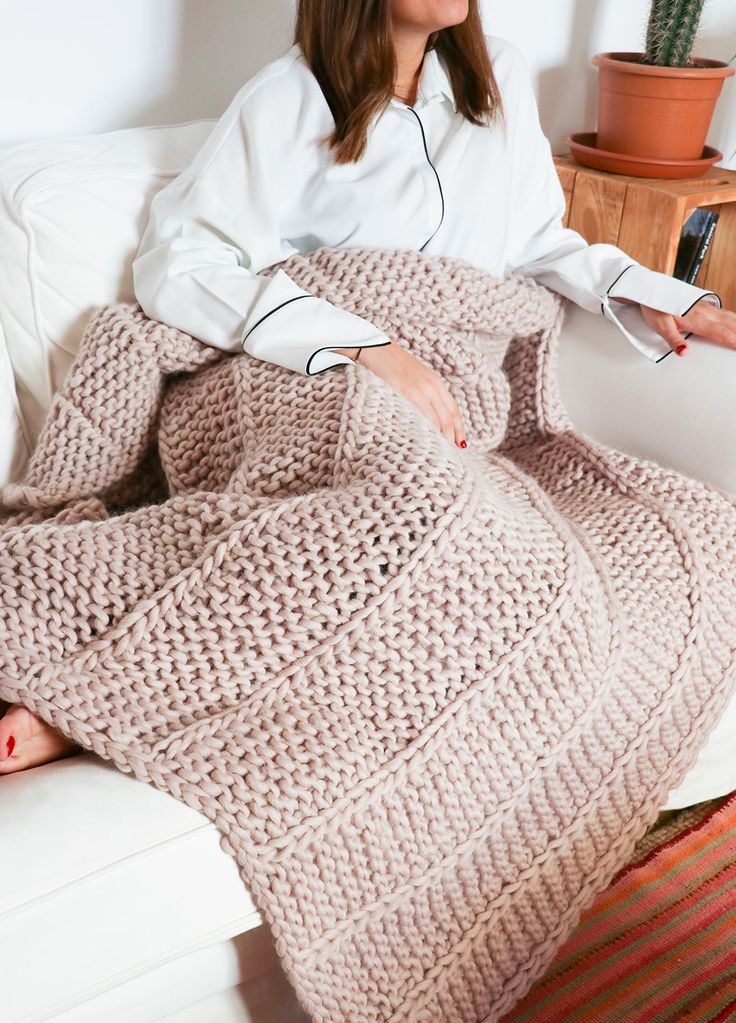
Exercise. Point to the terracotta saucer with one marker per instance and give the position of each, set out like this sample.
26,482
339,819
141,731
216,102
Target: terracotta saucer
584,149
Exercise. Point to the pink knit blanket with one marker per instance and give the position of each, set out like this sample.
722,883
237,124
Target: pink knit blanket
431,697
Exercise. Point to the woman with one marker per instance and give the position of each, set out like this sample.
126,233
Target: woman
394,124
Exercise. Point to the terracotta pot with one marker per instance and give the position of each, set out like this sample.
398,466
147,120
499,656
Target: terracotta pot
653,111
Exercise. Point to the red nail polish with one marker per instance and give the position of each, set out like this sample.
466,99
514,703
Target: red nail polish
11,744
463,443
682,349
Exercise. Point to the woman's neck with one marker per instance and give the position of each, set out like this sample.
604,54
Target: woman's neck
409,51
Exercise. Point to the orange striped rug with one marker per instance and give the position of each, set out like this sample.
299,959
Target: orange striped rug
659,944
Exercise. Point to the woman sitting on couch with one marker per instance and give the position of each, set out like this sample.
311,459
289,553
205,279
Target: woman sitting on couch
388,123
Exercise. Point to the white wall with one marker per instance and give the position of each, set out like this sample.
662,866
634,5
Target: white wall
69,66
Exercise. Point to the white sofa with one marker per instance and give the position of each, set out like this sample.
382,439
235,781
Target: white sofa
118,903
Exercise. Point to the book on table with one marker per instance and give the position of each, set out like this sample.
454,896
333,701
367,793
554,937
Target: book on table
695,239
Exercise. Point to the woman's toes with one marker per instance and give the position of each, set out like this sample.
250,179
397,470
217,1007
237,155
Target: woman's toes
27,741
8,737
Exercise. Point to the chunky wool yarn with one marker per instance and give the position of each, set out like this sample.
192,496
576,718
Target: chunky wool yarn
430,696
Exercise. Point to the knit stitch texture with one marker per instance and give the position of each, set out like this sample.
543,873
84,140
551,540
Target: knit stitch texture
431,697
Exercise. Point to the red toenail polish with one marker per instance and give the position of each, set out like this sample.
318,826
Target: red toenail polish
463,443
11,744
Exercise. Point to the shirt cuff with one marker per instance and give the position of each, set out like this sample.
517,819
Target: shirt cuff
654,289
300,330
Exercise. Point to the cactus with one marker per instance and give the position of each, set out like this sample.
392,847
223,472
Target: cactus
671,31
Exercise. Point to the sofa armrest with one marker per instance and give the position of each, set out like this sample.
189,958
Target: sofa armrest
678,412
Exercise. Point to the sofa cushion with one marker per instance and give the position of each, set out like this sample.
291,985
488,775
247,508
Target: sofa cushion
72,211
237,980
105,877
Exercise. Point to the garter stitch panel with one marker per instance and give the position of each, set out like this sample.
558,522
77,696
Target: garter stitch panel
431,697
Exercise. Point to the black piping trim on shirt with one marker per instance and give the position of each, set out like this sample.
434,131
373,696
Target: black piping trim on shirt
271,312
326,347
439,183
699,299
613,282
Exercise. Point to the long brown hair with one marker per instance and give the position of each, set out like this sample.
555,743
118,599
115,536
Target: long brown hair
349,48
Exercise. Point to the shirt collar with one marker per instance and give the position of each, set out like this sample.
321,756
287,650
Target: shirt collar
434,81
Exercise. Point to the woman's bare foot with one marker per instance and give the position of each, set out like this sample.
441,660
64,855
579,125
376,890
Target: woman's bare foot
27,741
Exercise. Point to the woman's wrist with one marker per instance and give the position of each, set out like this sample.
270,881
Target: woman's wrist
349,352
364,354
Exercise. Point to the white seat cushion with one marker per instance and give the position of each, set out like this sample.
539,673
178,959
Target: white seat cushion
238,980
104,878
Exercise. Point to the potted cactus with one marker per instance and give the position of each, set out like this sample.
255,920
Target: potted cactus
659,104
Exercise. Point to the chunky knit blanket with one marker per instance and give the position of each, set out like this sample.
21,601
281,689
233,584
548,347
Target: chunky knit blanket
431,697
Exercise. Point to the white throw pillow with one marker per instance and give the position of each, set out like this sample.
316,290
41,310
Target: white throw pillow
72,211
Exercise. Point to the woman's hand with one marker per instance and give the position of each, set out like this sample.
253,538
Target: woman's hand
421,385
712,323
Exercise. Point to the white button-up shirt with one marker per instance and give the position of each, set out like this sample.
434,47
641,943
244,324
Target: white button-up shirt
261,188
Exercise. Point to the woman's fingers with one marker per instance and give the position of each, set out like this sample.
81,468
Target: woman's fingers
703,319
436,413
450,405
440,412
452,425
424,403
444,418
664,324
710,322
420,385
428,404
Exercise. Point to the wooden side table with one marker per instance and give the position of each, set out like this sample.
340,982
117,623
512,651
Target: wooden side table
644,217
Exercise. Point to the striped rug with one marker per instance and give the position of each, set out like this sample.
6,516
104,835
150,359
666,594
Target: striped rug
659,944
